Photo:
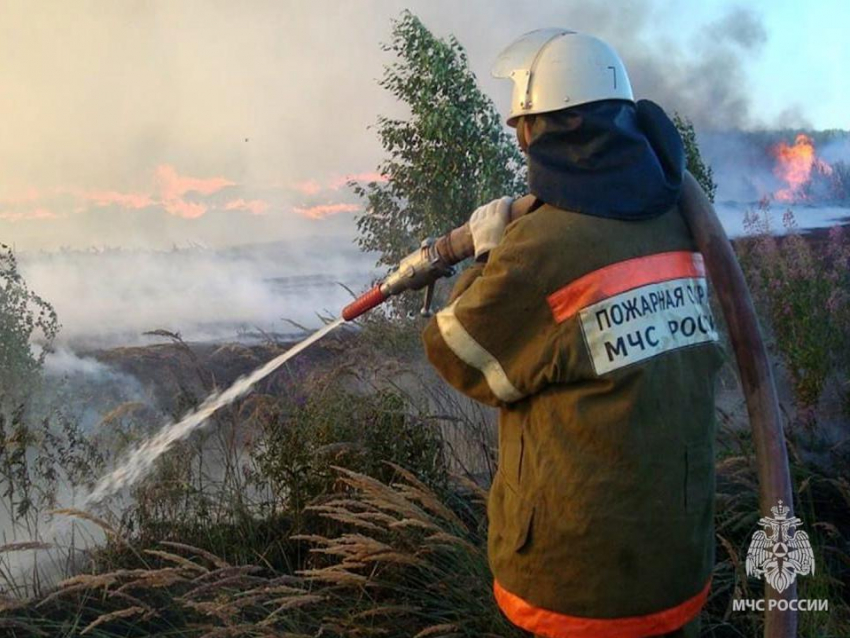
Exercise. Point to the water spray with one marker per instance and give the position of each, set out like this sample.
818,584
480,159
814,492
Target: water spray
141,459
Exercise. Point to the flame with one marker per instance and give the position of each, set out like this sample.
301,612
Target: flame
172,185
125,200
29,196
794,165
38,213
314,187
253,206
326,210
310,187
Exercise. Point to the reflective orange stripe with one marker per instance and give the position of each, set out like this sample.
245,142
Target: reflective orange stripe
554,625
622,276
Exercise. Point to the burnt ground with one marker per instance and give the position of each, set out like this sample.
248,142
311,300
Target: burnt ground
176,374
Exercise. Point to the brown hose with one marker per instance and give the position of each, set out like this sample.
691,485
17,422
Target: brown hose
755,371
457,245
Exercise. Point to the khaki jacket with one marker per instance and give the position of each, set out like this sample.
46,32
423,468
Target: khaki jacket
595,339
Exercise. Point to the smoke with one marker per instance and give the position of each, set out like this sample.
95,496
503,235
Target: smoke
232,128
279,93
837,150
706,80
67,552
110,297
240,128
86,390
76,394
742,26
742,166
701,71
63,363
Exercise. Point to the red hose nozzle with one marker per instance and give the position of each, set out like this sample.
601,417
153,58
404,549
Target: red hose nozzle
364,303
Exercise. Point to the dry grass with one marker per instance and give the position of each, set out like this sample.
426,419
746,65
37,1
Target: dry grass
91,518
404,563
115,615
23,546
21,626
215,560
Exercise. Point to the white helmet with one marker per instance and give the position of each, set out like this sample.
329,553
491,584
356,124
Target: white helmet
554,69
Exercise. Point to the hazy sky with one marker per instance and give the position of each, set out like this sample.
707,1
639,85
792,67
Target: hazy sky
131,123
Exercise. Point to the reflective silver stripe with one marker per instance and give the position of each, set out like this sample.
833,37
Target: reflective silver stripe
470,351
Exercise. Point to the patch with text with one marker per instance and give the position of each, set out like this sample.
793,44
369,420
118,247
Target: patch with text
647,321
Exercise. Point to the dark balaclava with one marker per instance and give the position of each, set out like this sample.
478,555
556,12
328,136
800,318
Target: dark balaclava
625,160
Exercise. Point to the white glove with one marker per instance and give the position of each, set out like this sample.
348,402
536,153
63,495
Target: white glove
487,224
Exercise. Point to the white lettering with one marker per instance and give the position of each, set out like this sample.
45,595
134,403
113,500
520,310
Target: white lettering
781,604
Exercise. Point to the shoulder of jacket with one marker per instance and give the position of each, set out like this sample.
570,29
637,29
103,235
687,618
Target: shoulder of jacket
541,218
543,226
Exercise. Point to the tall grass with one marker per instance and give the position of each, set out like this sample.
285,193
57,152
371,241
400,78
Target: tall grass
822,500
404,562
802,288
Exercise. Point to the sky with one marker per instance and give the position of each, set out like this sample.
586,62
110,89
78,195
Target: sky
150,124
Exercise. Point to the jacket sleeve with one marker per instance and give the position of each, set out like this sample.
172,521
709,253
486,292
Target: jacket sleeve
497,340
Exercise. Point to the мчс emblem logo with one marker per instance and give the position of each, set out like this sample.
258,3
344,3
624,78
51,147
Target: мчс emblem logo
780,551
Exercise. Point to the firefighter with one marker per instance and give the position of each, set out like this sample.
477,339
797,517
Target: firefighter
587,323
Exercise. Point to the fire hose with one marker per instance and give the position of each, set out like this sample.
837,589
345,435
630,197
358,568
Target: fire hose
436,259
433,260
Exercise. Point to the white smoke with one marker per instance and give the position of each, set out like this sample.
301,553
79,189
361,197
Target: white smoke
109,298
64,363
